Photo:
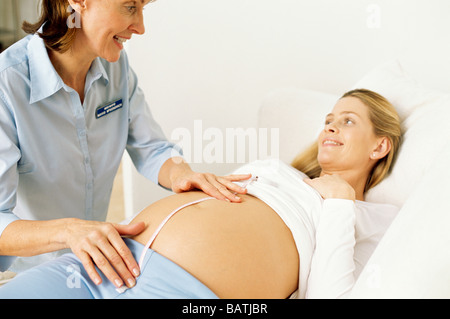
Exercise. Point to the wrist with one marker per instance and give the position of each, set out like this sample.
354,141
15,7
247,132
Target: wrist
178,171
172,169
64,229
348,194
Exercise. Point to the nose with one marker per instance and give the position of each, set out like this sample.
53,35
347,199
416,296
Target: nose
331,128
138,26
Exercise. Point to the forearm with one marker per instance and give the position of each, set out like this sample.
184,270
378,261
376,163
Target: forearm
332,266
28,238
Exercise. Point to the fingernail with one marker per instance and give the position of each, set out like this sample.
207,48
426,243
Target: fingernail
236,197
136,272
118,283
131,282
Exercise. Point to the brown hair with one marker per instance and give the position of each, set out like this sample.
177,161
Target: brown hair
385,122
56,33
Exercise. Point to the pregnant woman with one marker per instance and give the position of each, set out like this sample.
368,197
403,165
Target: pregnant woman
300,231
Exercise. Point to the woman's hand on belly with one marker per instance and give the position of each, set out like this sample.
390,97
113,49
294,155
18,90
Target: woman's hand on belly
177,175
220,187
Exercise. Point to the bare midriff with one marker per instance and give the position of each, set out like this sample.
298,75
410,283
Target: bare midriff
238,250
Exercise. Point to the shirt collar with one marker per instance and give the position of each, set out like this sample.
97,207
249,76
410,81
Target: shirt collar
45,81
96,71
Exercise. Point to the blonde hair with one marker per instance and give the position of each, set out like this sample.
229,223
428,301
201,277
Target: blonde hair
386,123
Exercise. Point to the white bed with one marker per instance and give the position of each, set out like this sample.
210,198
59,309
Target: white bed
413,259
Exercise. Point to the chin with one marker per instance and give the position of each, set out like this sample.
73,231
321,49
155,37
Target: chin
112,58
111,55
325,159
330,164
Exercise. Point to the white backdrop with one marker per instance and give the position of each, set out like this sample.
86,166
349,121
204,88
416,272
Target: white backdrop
217,60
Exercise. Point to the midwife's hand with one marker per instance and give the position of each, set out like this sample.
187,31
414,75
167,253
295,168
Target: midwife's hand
100,244
332,186
220,187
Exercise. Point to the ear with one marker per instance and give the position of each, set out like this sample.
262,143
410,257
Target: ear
382,149
78,5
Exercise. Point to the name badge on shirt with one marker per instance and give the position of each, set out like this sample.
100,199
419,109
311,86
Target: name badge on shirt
109,108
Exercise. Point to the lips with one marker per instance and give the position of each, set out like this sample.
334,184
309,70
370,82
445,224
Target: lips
331,142
120,39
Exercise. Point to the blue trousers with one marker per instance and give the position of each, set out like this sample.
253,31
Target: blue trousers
65,278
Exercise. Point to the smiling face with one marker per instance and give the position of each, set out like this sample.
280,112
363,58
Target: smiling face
348,140
107,24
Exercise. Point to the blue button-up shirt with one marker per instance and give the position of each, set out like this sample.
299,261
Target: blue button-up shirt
58,156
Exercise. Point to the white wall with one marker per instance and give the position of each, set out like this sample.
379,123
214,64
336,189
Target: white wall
11,18
216,60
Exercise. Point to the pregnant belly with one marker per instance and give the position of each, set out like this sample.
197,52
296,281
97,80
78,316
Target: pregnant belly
238,250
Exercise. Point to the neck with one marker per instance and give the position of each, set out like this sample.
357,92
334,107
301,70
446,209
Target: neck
72,66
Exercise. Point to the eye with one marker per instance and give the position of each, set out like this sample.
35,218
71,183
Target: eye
131,9
349,121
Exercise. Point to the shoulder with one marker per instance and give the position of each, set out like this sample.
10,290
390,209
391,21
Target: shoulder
15,55
14,70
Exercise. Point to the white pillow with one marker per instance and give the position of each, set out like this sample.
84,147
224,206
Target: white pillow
412,260
425,114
